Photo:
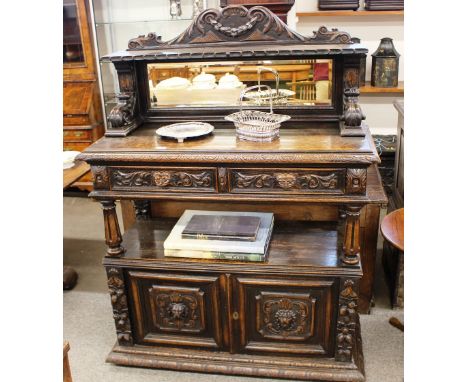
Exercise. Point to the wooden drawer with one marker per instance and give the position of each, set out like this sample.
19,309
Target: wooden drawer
75,146
290,316
290,181
180,179
77,135
176,309
72,120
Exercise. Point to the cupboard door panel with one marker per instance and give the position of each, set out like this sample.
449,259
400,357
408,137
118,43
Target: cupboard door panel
292,316
176,309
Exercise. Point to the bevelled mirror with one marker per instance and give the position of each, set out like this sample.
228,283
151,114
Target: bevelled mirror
306,83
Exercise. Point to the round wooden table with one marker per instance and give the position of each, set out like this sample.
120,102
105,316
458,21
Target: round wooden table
393,230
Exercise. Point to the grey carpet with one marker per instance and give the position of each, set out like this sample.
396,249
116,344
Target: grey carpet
89,327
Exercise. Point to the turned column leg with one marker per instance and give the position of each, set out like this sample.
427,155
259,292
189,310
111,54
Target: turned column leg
351,234
112,230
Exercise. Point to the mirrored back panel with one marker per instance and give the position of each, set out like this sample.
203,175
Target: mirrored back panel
221,83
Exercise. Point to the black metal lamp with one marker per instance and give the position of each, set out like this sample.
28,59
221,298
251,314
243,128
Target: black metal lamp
385,62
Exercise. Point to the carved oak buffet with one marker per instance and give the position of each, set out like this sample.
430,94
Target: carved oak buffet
293,316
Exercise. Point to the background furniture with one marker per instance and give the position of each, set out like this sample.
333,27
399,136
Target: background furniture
82,117
279,7
393,227
391,261
66,364
70,175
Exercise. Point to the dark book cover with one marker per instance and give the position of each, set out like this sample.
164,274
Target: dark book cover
222,227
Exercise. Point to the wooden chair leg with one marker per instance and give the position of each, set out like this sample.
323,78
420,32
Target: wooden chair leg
396,323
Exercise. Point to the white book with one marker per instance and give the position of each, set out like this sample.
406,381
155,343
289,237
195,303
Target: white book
175,241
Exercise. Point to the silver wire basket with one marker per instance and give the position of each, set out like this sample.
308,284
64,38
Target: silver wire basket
262,97
255,125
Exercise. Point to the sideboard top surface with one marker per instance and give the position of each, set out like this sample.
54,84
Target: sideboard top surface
306,145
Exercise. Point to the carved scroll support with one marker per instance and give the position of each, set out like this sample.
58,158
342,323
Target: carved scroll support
353,116
116,284
142,209
122,118
112,229
347,320
350,239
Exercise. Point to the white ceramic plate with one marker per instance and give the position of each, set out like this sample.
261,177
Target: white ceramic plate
68,158
181,131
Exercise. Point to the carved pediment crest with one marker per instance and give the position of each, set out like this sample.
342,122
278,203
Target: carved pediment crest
238,24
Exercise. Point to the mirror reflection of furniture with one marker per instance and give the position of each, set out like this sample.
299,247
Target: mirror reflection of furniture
393,229
305,90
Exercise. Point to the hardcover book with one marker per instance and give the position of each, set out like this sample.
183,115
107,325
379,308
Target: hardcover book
176,245
222,227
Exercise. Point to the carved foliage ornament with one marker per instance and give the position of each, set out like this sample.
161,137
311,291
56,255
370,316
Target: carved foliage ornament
119,306
101,177
356,180
237,23
346,325
287,181
161,179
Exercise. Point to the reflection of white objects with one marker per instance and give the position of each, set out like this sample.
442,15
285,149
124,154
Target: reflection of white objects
321,90
68,158
204,81
175,9
184,130
198,6
229,81
173,83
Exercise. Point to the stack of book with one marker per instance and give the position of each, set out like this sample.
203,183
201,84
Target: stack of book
241,236
385,5
338,4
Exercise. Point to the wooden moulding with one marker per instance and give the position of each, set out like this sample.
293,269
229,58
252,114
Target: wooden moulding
325,369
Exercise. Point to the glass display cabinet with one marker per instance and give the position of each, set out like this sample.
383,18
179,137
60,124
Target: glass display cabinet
295,314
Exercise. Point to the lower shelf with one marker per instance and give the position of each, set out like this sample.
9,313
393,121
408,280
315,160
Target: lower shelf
320,369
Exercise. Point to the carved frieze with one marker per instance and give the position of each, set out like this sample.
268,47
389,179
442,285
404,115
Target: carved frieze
161,179
287,181
115,282
346,324
178,309
287,316
356,180
235,24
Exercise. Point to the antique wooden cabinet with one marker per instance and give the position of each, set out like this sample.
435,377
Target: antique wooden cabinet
82,116
292,316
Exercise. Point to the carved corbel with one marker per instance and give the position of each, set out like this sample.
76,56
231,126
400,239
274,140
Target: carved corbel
350,239
353,116
112,229
142,209
123,114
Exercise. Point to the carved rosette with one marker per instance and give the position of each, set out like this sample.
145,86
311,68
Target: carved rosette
178,311
356,180
286,181
346,324
115,282
236,23
285,317
100,176
161,179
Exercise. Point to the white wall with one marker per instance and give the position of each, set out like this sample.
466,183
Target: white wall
381,115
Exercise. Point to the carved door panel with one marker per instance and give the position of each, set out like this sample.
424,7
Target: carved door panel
180,310
292,316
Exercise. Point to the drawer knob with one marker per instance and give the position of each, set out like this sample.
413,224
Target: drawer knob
235,316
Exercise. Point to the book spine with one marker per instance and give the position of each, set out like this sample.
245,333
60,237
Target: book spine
200,236
215,255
